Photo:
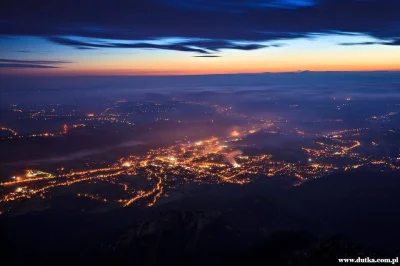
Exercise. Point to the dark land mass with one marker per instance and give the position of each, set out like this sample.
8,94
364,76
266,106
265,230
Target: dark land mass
343,215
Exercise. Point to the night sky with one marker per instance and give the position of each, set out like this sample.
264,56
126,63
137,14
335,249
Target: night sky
179,37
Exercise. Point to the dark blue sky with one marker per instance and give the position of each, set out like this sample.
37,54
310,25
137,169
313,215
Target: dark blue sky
147,37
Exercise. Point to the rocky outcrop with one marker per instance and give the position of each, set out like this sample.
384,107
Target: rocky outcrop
179,225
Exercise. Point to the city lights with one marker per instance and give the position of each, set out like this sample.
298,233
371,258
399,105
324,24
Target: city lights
213,160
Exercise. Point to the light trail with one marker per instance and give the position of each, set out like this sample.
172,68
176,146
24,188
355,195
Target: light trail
65,183
15,133
26,180
158,194
142,195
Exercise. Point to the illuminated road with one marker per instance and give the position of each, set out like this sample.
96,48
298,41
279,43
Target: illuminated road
214,160
144,194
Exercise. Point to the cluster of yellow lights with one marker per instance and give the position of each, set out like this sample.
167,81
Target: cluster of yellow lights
212,160
15,133
235,133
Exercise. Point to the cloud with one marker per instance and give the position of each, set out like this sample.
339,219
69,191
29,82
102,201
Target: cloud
392,43
361,43
79,154
203,46
225,23
207,56
237,6
11,65
89,45
15,63
34,61
216,45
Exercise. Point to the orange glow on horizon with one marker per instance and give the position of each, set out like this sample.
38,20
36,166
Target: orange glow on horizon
230,64
129,72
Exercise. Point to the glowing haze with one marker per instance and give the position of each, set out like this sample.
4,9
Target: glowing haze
184,37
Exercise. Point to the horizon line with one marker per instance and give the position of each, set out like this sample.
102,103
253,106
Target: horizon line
195,75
